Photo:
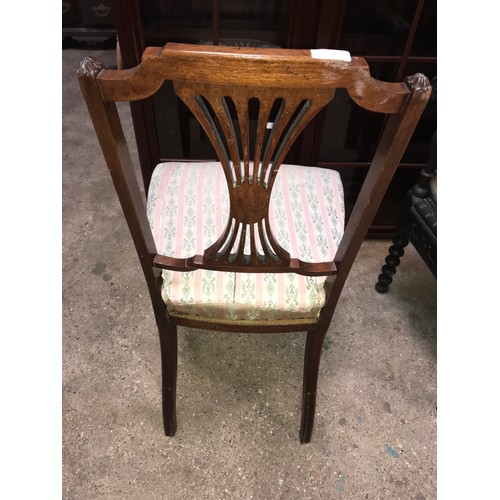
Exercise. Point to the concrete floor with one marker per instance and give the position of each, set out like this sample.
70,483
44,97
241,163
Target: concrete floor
238,395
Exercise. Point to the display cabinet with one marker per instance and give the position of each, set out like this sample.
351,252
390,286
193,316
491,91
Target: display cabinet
87,18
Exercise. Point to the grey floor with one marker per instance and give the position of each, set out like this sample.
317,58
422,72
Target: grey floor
238,395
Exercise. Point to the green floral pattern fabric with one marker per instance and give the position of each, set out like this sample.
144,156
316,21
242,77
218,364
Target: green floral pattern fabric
188,207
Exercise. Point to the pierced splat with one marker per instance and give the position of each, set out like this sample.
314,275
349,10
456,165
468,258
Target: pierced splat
251,155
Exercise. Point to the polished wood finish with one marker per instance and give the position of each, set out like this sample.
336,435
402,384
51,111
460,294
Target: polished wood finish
272,68
210,79
250,174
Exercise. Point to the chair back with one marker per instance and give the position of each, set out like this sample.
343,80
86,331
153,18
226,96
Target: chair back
289,87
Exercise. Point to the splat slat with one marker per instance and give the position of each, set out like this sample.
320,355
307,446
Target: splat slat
282,120
266,105
226,250
203,116
296,129
223,114
242,104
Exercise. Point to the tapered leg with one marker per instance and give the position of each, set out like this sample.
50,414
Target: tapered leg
168,343
314,344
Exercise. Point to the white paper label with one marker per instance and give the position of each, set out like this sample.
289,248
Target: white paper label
331,54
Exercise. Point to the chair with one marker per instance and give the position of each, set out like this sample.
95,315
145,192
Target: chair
247,244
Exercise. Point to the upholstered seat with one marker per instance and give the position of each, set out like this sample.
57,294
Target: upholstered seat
188,207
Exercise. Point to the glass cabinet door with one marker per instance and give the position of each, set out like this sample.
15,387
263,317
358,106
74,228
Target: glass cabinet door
397,39
212,20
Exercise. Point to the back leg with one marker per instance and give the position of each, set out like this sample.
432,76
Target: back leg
168,345
312,356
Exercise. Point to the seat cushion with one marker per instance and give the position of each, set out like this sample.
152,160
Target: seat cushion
188,206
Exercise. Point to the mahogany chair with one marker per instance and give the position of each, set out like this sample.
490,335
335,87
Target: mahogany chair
247,244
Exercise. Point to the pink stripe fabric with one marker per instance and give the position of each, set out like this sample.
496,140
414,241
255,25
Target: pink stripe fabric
294,250
257,295
332,248
199,248
307,216
259,290
178,251
159,219
199,210
219,227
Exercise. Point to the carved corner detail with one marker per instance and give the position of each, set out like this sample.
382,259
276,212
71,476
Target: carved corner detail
418,82
90,67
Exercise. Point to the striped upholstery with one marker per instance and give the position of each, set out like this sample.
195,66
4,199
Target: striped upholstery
188,205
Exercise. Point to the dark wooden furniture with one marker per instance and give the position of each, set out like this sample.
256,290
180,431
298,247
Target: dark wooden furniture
397,39
88,18
418,223
211,80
